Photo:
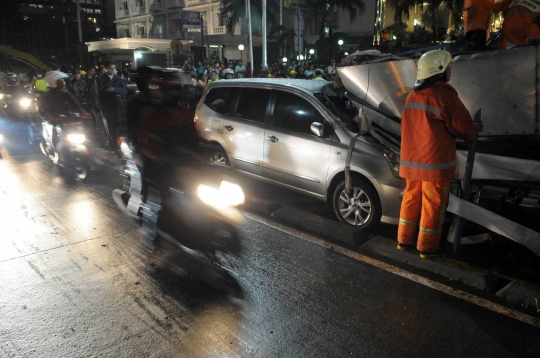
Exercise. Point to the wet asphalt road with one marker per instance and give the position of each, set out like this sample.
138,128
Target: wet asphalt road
75,282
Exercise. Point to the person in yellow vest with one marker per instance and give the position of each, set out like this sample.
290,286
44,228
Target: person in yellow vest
318,75
41,84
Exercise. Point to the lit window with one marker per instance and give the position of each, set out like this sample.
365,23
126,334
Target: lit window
32,5
97,11
98,29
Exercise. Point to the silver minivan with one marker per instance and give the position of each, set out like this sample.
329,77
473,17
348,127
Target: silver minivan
296,134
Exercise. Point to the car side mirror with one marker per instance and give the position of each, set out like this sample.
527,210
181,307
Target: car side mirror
317,129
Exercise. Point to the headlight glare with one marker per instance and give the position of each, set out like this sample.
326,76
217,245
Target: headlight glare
25,102
76,138
228,195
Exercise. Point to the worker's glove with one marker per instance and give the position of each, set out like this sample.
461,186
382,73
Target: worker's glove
479,126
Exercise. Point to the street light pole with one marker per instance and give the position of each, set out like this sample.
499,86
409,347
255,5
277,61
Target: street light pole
264,40
250,37
79,21
67,42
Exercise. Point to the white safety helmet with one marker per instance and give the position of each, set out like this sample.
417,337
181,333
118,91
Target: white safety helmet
52,76
432,63
228,71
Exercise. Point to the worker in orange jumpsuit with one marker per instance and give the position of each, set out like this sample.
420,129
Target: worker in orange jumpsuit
433,117
521,20
477,22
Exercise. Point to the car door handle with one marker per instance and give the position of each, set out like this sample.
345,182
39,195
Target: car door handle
273,139
229,128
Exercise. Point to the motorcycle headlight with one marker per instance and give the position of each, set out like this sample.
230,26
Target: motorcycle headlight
76,138
393,161
126,150
25,102
228,195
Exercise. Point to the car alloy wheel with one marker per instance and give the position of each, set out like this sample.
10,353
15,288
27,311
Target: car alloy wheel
359,208
355,207
219,157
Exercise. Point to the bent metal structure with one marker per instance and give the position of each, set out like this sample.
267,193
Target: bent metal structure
504,85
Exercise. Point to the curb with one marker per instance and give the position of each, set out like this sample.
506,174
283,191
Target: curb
521,292
448,268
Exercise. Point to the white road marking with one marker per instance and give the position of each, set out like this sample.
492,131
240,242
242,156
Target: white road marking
481,302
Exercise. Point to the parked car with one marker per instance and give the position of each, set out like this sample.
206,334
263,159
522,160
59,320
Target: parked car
293,133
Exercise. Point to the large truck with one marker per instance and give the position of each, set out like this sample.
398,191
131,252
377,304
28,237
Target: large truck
505,190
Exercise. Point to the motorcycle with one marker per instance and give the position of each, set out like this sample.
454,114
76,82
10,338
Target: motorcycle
19,104
65,143
200,215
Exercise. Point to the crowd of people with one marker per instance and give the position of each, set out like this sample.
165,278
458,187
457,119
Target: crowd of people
99,92
203,74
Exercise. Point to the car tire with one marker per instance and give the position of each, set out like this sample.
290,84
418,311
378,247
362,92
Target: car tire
361,209
217,155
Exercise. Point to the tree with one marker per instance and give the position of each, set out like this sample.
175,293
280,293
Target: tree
328,12
234,10
431,16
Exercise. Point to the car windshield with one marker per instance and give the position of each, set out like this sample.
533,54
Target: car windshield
340,106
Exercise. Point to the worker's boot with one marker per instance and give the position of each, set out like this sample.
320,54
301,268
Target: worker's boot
404,247
441,252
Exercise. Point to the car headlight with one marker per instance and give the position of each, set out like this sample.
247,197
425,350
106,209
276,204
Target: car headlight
76,138
228,195
25,102
1,96
393,161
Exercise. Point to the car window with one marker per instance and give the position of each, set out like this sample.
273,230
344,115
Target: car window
294,113
219,99
252,104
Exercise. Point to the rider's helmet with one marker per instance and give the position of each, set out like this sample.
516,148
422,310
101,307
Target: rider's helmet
52,78
228,73
12,80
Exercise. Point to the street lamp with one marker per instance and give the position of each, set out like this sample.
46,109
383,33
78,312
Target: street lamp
241,48
312,52
285,59
300,57
340,43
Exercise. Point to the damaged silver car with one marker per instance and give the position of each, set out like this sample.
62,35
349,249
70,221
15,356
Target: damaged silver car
297,134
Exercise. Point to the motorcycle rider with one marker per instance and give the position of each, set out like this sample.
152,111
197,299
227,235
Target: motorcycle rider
158,125
58,102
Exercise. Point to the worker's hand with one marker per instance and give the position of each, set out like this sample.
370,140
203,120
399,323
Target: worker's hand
479,126
110,89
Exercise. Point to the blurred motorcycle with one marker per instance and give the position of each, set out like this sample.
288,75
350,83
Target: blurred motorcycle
20,106
200,213
65,143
